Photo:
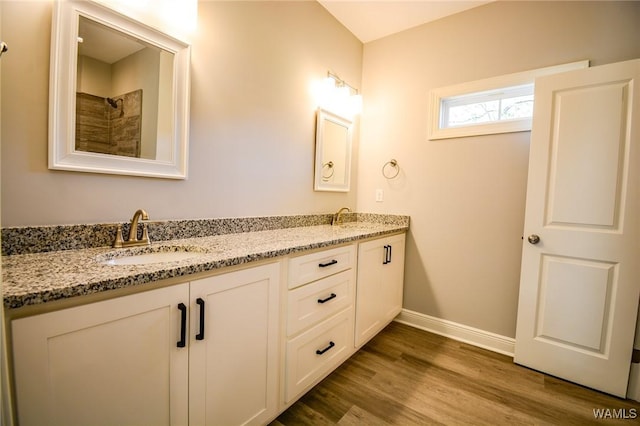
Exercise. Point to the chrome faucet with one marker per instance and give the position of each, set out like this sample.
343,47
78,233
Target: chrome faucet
338,215
133,240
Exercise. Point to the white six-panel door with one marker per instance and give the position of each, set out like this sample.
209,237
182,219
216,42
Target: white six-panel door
580,279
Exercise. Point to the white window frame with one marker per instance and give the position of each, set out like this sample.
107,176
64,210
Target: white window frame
438,97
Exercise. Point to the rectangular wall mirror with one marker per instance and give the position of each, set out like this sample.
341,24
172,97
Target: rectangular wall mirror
119,94
333,152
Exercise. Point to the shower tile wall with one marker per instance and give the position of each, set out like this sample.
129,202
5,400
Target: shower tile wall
92,125
100,128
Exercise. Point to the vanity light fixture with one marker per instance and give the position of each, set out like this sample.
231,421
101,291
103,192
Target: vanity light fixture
339,96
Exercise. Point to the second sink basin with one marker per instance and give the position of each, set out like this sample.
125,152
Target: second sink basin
149,256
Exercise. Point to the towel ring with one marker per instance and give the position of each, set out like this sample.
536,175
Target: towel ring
328,165
393,163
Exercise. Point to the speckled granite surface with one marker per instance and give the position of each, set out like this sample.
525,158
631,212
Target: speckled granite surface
31,239
34,278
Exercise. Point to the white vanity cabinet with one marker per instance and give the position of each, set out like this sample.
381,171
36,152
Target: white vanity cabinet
204,352
380,285
320,313
233,361
114,362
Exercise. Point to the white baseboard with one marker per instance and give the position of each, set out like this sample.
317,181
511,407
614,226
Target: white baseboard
462,333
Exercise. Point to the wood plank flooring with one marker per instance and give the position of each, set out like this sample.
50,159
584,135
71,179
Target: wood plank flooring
406,376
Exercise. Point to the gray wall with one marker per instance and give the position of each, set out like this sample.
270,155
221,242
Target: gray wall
252,120
466,197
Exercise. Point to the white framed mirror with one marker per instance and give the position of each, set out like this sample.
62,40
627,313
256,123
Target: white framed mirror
333,152
118,96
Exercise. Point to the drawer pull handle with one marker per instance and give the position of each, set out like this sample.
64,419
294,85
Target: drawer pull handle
200,335
322,351
324,265
183,325
333,296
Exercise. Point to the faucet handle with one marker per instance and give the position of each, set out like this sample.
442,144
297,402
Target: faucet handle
117,243
145,234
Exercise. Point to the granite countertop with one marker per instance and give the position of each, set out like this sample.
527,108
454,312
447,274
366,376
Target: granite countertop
30,279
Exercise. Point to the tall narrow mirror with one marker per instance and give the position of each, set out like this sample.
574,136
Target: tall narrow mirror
333,152
119,94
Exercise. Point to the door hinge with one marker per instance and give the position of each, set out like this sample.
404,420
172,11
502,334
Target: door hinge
635,356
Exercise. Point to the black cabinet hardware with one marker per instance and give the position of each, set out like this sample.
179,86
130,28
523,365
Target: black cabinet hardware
387,254
324,265
333,296
200,335
322,351
183,325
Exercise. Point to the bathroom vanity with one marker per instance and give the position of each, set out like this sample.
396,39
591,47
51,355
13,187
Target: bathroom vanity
232,335
147,358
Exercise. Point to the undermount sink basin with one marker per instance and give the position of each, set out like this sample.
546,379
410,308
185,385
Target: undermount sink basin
145,258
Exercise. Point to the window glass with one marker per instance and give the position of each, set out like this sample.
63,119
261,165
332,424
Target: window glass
485,107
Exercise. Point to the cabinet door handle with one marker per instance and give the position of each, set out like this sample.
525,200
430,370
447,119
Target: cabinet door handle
386,255
183,325
324,265
333,296
200,335
389,252
322,351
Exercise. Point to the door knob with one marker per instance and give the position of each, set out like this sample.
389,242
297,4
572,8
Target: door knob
533,239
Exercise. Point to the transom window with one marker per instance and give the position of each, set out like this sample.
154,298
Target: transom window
495,105
484,107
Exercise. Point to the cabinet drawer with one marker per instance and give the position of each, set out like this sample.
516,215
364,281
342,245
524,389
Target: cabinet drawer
312,303
318,351
311,267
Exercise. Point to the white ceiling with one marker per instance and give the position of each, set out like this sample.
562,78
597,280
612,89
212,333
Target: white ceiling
369,20
103,43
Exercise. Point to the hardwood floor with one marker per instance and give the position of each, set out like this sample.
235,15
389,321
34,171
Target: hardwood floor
406,376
